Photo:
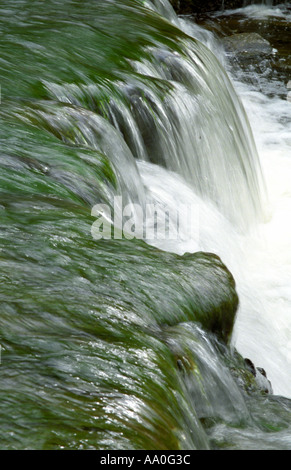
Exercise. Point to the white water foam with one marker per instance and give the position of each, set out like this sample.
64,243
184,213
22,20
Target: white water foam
259,11
261,259
265,333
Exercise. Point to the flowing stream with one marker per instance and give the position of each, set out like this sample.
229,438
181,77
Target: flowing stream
139,340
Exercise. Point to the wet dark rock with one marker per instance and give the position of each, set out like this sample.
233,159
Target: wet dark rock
241,370
247,44
260,376
262,371
198,6
249,52
250,378
250,366
214,300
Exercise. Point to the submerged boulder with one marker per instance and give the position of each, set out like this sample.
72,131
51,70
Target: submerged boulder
247,44
249,52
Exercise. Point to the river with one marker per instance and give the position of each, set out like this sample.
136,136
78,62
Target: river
145,228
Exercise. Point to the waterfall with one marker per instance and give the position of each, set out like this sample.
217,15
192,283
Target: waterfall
178,109
136,341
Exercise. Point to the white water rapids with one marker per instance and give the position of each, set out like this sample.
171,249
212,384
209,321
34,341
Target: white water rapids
259,259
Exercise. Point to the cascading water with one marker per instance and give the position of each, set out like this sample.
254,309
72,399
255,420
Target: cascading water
122,344
265,98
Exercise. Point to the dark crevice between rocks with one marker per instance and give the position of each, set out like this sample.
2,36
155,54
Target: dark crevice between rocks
197,6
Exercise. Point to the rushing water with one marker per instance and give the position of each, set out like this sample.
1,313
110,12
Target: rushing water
265,97
125,343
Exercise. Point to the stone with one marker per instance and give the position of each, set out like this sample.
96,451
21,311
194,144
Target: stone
247,44
260,375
